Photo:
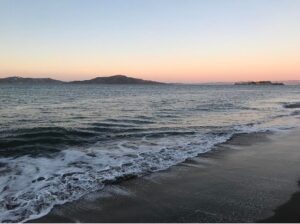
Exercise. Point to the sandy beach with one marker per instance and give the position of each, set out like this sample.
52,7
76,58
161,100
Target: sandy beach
251,178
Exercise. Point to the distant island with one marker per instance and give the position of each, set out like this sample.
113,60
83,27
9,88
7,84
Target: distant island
111,80
259,83
117,79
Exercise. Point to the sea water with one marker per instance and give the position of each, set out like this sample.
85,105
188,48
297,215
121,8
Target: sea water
60,142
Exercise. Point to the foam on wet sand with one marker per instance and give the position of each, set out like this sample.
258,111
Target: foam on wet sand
242,180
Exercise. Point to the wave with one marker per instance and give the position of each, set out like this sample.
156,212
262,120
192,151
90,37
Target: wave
36,141
43,141
132,121
295,113
292,105
31,186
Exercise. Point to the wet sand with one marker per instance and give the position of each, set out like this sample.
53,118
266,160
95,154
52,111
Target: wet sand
288,212
251,178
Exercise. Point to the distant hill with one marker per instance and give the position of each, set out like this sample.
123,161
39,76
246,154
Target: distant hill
21,80
116,79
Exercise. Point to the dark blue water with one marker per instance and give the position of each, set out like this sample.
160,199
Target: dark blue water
59,142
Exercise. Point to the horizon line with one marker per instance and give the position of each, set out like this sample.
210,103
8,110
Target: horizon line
185,83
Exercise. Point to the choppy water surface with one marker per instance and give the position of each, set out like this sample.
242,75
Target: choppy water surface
58,142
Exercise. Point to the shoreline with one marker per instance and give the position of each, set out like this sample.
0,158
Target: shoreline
223,185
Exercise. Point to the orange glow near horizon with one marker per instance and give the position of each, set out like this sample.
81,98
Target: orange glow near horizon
187,70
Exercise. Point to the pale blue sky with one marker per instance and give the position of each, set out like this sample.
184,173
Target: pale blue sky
87,37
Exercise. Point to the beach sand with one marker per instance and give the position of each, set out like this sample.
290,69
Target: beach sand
251,178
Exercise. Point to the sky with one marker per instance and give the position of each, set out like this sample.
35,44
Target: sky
166,40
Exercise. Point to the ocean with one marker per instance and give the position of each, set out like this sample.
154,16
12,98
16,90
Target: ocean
60,142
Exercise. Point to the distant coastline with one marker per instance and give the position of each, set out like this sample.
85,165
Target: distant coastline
111,80
260,83
126,80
